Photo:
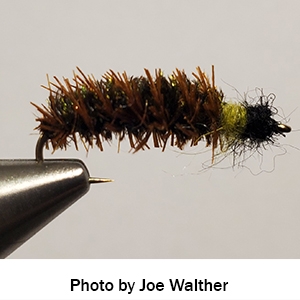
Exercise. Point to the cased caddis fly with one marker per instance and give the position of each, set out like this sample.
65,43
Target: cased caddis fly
171,110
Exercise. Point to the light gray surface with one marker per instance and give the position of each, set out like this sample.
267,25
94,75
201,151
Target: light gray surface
147,212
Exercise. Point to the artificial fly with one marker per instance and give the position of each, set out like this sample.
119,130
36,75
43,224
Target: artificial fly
173,109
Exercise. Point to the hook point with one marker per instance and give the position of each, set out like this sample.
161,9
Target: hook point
99,180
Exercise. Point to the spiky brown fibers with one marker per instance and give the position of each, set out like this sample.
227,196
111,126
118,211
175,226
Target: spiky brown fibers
171,108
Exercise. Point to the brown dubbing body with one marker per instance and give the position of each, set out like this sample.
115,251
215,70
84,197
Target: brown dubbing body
171,108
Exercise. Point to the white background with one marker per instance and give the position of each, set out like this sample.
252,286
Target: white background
160,205
273,281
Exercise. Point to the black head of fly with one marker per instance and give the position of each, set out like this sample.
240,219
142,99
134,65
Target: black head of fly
261,126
